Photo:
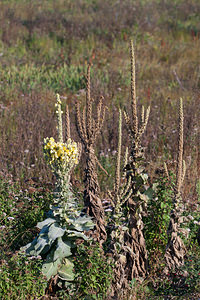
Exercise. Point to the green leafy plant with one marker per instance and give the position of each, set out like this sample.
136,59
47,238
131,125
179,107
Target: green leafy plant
20,278
157,219
65,223
93,272
20,212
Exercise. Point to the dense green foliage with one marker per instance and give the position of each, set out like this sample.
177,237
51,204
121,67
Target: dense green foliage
158,217
94,272
21,279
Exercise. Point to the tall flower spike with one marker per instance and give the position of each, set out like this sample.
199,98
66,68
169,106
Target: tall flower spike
166,171
64,216
79,125
88,105
117,172
142,114
144,122
133,90
67,124
59,118
136,199
125,162
88,130
179,171
183,172
176,250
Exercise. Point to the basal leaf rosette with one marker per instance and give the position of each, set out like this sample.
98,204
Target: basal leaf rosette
59,155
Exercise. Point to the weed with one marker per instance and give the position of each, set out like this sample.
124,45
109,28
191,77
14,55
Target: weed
94,272
21,278
157,220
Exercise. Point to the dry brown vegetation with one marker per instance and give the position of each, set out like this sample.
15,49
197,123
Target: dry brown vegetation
166,68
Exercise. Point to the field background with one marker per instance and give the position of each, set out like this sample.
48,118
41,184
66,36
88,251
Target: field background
45,47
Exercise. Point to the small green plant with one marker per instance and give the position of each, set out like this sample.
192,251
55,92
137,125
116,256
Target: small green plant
93,272
20,212
20,278
157,219
139,289
65,223
191,271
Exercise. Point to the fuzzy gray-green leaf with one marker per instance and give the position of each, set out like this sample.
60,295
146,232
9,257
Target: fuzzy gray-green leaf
47,221
66,271
63,249
42,242
73,233
55,231
50,269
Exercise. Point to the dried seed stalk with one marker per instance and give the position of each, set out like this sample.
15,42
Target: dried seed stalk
166,171
180,151
88,130
175,250
117,170
133,90
137,255
118,221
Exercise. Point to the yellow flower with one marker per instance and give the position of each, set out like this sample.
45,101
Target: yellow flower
59,153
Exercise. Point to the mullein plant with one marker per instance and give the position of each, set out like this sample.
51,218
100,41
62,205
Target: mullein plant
88,129
65,223
136,265
176,250
118,223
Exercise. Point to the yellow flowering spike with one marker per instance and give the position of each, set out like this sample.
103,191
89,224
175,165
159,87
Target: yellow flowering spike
59,154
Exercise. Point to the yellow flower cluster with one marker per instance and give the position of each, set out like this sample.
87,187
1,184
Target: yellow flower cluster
60,154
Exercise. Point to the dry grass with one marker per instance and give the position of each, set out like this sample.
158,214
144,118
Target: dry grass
53,34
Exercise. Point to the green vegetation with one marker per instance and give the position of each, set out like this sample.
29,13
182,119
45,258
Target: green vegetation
45,47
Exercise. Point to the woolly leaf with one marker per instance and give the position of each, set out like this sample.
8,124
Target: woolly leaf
82,223
51,268
29,248
55,231
149,193
48,221
63,249
38,244
42,242
85,220
73,233
66,271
